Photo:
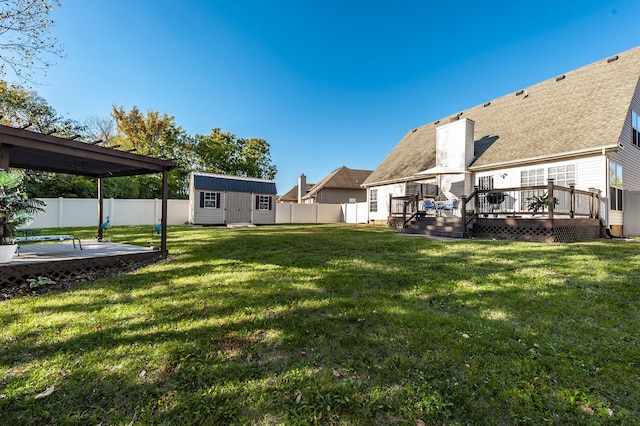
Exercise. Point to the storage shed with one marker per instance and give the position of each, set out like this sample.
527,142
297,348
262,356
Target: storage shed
222,199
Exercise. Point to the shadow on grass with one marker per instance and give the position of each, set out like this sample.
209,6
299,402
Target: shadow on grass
337,324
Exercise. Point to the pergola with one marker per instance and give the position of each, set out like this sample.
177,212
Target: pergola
25,149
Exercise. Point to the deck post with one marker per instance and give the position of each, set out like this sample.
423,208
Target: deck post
476,204
463,213
550,198
572,208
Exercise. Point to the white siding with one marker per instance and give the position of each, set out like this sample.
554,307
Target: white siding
591,172
454,145
207,216
263,217
384,191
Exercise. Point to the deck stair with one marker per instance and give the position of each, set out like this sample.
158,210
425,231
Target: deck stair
436,226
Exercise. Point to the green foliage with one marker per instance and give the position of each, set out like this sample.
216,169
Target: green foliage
16,207
23,108
39,282
537,203
48,185
332,324
223,152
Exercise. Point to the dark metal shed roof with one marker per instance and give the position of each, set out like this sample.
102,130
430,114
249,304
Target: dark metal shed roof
233,183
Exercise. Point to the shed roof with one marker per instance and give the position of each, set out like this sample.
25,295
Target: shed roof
572,114
30,150
216,182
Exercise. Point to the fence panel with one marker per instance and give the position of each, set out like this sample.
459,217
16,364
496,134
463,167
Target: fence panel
69,212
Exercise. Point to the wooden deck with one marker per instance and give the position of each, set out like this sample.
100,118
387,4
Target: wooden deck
60,261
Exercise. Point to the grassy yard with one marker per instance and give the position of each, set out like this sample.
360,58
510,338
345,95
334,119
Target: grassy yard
333,325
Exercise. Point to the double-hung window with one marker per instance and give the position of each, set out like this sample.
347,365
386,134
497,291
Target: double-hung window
263,202
210,200
615,186
562,175
635,124
373,200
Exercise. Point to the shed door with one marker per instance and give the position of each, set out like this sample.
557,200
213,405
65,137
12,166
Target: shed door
238,207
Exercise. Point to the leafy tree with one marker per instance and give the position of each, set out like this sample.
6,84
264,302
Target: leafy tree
25,37
223,152
51,185
23,108
147,134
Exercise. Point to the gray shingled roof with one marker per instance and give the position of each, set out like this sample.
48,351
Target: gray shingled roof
292,195
215,182
342,178
581,111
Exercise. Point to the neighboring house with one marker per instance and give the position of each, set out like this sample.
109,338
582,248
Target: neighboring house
220,199
342,185
578,128
292,196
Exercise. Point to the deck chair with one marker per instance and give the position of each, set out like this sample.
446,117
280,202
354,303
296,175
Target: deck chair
429,206
451,206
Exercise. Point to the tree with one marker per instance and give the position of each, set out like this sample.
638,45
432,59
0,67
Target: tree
147,134
223,152
25,37
101,129
23,108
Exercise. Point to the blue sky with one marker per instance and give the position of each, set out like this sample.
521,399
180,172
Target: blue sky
326,83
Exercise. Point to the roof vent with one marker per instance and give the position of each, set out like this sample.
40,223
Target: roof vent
519,92
487,104
612,59
560,78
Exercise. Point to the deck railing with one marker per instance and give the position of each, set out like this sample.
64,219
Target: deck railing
543,201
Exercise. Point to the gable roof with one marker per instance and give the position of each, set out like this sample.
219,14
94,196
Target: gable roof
573,114
216,182
341,178
292,194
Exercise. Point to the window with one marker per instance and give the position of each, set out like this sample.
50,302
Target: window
373,200
635,123
263,202
562,175
210,200
485,182
615,186
532,177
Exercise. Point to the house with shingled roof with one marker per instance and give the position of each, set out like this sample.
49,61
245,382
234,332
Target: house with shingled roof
581,129
343,185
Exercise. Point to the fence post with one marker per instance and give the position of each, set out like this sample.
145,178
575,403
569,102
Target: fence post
60,212
572,208
550,198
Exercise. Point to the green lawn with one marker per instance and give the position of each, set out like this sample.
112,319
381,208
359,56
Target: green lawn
333,325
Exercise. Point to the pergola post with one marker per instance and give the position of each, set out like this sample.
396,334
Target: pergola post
163,220
100,207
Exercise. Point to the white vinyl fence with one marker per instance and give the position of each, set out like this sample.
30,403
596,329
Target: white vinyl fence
69,212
